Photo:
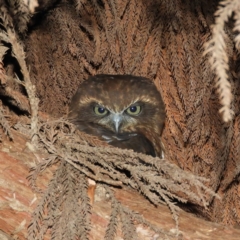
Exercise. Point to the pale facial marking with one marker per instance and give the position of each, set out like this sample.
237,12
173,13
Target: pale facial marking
117,120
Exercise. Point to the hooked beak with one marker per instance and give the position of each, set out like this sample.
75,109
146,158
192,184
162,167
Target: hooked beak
117,120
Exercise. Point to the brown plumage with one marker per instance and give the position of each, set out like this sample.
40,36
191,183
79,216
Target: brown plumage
124,110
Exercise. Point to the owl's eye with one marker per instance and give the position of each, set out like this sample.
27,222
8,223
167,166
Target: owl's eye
100,111
134,110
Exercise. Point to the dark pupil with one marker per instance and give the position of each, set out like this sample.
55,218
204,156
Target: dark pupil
101,110
133,109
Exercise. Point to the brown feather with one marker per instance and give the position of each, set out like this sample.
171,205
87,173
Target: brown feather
116,93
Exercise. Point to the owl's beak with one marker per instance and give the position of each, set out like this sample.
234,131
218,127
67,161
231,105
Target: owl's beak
117,120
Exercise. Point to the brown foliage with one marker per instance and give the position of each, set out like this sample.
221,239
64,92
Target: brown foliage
158,180
159,39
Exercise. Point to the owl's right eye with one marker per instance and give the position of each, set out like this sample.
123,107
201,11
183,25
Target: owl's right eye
100,111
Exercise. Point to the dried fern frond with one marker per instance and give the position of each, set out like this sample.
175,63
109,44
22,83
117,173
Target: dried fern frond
156,179
2,70
216,48
38,169
113,222
17,51
64,207
157,174
20,13
128,220
4,123
7,81
32,4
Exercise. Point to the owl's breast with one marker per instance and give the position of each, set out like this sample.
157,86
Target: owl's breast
125,140
134,141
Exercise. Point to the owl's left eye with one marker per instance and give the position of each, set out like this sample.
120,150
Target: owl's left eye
100,111
134,110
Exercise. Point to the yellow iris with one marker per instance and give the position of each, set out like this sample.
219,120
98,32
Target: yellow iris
100,111
134,110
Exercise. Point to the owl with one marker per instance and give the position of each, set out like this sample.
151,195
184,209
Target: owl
123,110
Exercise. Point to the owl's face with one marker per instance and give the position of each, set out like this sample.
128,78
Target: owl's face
125,119
118,107
120,103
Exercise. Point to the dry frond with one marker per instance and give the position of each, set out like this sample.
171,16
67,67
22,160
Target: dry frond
216,48
7,82
30,88
237,27
20,14
4,123
2,70
3,80
38,169
16,98
64,207
128,227
233,167
113,222
157,179
129,220
18,53
32,4
141,220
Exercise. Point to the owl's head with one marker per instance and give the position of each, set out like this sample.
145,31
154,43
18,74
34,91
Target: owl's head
119,103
